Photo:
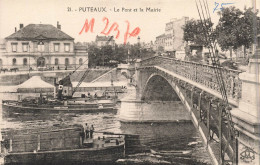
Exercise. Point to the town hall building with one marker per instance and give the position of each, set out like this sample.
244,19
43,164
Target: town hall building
41,47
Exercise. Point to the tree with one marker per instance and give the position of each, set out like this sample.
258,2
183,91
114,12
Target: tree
160,49
199,33
227,28
94,56
248,28
236,28
120,53
106,54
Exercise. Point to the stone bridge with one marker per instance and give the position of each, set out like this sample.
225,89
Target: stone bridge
166,79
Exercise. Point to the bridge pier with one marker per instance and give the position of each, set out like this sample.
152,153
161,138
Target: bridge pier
247,116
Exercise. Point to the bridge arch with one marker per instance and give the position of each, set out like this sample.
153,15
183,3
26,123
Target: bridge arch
157,87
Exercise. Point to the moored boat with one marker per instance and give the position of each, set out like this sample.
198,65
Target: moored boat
62,145
67,106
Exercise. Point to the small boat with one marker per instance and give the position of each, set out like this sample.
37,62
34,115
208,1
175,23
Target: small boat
61,145
72,105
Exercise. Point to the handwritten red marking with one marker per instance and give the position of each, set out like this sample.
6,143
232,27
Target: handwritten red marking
114,26
107,22
88,25
134,33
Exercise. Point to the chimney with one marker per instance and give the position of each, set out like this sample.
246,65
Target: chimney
58,25
15,30
21,25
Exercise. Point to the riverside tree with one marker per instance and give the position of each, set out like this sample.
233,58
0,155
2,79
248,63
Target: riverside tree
236,28
196,32
200,33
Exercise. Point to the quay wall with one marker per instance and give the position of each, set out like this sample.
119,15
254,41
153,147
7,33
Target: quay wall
48,76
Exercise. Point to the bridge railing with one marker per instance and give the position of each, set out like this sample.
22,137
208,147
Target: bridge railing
200,73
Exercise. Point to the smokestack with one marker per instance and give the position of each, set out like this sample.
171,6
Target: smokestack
58,25
21,26
15,30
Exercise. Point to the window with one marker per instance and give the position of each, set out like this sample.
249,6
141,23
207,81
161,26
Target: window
67,47
14,47
25,47
40,47
14,61
67,62
25,61
57,47
80,61
56,61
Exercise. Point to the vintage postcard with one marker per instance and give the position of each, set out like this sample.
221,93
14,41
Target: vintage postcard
127,82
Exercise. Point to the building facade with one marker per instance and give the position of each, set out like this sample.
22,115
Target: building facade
160,42
105,40
172,39
41,47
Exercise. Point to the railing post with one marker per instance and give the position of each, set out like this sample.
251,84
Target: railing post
220,131
38,142
236,150
195,73
24,142
10,145
208,120
191,97
232,87
200,100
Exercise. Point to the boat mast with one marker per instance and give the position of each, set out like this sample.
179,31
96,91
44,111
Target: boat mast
87,71
82,78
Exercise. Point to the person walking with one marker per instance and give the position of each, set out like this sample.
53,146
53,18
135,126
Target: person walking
91,131
86,130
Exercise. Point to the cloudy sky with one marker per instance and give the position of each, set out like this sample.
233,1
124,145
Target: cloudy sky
152,24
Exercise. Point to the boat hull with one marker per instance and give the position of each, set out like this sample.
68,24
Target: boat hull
8,109
78,156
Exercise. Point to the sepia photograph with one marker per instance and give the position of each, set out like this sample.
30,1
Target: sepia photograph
129,82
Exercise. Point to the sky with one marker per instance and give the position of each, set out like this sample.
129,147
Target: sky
151,24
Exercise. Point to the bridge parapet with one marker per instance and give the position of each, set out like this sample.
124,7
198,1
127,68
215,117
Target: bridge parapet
200,73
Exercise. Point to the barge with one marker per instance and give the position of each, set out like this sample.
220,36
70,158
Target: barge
67,106
59,145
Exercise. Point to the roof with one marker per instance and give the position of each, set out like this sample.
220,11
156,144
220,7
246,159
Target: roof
2,43
104,38
35,82
161,36
39,31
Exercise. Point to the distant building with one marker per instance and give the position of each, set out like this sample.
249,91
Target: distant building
41,46
105,40
172,40
169,36
160,42
147,46
2,50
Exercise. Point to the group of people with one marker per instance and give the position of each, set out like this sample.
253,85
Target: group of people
88,131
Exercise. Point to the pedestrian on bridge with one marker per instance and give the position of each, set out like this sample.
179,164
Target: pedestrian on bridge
91,131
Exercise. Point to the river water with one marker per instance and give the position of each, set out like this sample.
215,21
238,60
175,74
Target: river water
164,139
